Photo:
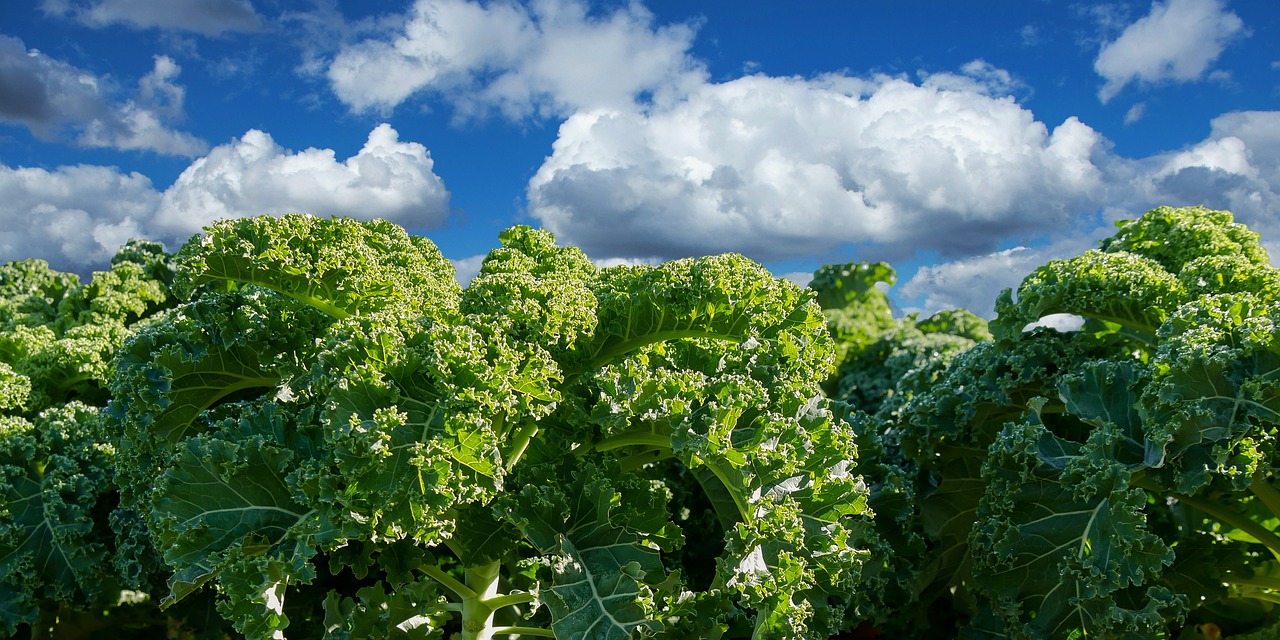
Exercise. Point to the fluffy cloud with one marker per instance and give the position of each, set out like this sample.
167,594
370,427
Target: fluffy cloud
1177,41
969,283
550,58
207,17
1236,168
253,175
51,97
784,167
883,169
76,217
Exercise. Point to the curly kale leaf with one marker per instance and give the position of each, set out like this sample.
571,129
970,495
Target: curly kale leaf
726,297
1127,289
1177,236
534,290
602,534
420,419
226,507
55,486
30,292
341,266
1214,398
1061,535
856,308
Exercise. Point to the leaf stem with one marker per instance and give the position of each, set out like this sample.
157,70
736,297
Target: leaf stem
1266,494
521,441
508,600
637,460
631,438
524,631
1260,533
477,615
463,591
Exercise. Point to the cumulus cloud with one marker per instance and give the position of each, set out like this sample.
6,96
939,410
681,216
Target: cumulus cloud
253,175
882,169
77,217
74,217
206,17
1237,167
53,98
785,167
1178,41
547,59
969,283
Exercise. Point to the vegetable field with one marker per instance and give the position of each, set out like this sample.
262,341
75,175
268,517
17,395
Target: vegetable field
303,428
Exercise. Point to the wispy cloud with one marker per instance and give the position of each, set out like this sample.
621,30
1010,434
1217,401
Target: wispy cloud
1178,41
206,17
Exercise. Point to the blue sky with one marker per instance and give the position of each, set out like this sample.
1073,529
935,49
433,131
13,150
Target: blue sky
964,143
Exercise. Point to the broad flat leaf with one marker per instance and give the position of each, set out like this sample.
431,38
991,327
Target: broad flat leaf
1106,394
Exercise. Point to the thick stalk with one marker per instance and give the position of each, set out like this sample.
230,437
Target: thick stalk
631,438
477,614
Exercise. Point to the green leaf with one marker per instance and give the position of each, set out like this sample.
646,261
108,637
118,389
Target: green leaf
223,504
600,534
341,266
55,477
1128,289
841,286
418,416
1060,536
727,297
1177,236
1215,394
1106,394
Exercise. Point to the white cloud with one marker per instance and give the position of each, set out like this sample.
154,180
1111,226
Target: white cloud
1236,168
1177,41
76,217
53,98
784,167
207,17
977,76
970,283
550,58
466,269
1135,113
253,175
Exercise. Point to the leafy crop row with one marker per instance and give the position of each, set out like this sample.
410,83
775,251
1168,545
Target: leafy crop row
303,427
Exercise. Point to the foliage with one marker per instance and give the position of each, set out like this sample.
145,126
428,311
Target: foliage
305,426
346,444
1118,480
58,552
